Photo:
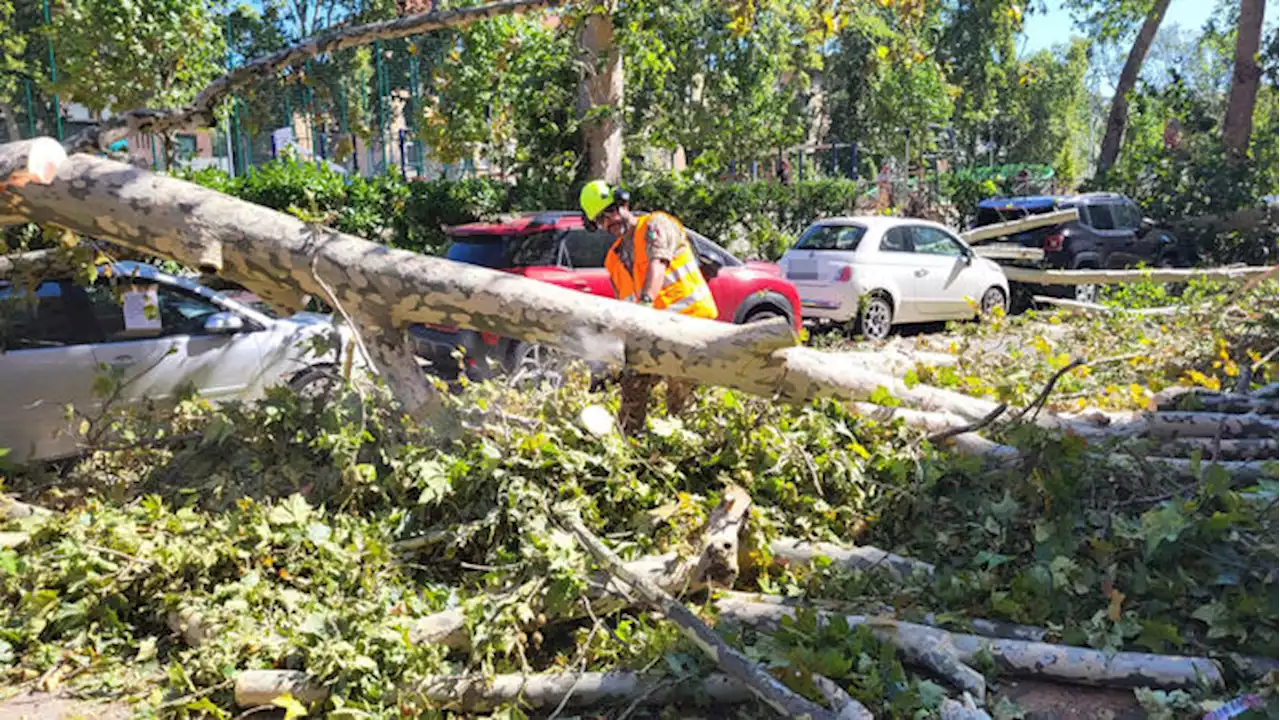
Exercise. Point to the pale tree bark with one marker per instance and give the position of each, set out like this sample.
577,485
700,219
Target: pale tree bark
1237,126
1119,115
200,113
600,93
10,121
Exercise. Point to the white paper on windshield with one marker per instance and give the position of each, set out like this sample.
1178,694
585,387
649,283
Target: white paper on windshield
142,311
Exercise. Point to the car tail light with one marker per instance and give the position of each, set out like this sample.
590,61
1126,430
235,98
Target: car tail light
490,338
845,275
1054,242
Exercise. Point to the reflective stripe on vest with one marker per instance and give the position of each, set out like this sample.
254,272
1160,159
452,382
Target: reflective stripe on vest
684,290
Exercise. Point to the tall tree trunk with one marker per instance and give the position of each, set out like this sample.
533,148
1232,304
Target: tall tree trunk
1119,114
600,94
1238,124
10,121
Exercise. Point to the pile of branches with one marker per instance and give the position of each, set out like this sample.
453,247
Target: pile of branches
324,554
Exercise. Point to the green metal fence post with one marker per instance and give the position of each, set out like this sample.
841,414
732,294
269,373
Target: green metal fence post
411,118
380,73
53,74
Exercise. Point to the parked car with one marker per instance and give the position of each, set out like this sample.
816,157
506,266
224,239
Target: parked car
1110,234
555,247
877,272
178,335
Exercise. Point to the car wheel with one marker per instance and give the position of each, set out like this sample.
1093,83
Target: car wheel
1087,293
876,319
768,312
991,299
1171,289
531,365
315,383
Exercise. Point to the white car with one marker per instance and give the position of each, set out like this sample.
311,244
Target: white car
880,271
160,334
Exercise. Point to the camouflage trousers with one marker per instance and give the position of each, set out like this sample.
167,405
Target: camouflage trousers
636,388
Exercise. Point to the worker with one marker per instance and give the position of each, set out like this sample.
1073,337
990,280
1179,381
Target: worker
652,263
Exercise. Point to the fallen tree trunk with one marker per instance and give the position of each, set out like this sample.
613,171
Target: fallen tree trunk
475,694
788,551
1159,275
1215,449
1189,399
1209,425
284,260
1008,251
1088,307
1012,227
976,626
1017,658
734,664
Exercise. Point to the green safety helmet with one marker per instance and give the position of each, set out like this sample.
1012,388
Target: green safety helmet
597,196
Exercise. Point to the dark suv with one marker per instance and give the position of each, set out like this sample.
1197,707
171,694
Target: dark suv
1110,234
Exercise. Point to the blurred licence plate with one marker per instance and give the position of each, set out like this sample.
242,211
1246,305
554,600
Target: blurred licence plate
802,270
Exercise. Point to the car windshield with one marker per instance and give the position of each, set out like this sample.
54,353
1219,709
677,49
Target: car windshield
831,237
483,250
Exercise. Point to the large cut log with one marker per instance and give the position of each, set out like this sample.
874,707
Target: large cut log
1188,399
201,112
1013,227
1214,449
789,551
734,664
1088,308
1210,425
1158,275
1008,251
475,694
1016,658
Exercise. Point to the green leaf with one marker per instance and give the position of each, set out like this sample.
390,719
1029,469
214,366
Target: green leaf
293,511
1162,526
292,708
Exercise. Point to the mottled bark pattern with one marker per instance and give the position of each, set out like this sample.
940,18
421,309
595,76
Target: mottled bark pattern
1016,658
601,93
790,551
1210,425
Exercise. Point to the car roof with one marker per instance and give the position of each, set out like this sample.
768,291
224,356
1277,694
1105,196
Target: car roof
879,222
524,224
1045,202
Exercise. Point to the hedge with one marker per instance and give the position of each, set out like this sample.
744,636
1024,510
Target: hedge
759,219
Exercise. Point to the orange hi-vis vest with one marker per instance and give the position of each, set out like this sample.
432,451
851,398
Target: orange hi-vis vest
684,290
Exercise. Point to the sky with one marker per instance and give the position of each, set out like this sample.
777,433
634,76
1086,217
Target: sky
1056,27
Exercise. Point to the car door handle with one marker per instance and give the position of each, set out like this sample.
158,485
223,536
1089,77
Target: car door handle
123,361
921,273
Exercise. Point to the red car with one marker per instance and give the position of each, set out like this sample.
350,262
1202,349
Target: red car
555,247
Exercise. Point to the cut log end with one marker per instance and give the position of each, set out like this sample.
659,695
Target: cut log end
259,687
43,158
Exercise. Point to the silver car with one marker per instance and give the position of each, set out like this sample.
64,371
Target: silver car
157,334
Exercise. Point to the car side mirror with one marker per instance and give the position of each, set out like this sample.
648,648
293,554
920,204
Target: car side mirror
709,267
223,323
1147,224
